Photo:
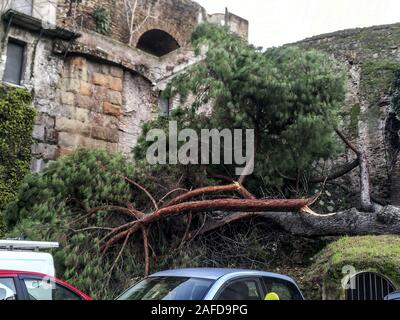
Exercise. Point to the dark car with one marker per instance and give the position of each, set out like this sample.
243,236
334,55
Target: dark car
214,284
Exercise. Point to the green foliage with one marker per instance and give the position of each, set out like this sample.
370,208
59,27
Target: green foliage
289,96
50,204
16,124
103,20
368,253
53,205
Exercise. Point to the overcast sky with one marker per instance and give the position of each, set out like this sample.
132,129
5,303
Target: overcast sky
276,22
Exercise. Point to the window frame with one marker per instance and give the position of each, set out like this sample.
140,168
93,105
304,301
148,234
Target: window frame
18,287
22,279
23,45
291,286
257,280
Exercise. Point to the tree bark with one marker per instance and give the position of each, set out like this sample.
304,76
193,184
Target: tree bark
365,183
349,222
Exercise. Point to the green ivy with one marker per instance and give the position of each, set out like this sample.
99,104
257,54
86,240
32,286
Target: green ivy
103,20
16,124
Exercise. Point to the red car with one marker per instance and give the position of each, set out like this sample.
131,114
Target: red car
22,285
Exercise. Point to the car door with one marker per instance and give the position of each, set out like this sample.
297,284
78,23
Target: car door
242,289
284,289
8,288
46,288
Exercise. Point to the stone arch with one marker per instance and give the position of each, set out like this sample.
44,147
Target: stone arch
157,42
181,35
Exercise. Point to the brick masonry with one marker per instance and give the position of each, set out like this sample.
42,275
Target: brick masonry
99,92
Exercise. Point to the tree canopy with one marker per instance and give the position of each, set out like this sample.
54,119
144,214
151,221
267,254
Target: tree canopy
289,96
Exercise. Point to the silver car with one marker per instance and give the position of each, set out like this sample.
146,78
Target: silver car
214,284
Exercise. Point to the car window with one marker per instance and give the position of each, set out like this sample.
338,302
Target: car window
7,289
168,288
48,289
246,289
284,289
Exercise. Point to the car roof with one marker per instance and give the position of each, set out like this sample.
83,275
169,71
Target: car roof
216,273
16,272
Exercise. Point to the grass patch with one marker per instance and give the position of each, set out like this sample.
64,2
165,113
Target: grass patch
379,254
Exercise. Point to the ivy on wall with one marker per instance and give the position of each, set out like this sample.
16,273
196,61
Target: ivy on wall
103,20
17,118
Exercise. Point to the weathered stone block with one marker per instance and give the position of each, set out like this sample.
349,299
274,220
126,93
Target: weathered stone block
67,98
38,132
66,139
115,97
62,152
109,108
87,103
46,151
100,93
86,89
100,79
117,72
105,69
116,84
73,126
78,61
45,120
72,85
82,115
105,134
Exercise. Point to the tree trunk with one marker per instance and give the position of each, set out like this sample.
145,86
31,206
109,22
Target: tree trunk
350,222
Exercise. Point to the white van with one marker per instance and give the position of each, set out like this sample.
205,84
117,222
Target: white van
19,255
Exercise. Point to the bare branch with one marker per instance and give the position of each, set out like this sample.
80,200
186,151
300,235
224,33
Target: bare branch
145,191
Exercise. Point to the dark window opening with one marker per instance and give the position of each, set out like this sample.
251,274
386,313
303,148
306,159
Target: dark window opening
157,42
15,62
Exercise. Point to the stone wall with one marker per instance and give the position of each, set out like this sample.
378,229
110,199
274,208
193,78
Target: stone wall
176,17
371,56
166,15
96,91
82,101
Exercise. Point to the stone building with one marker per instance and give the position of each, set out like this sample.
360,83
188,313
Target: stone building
96,68
372,58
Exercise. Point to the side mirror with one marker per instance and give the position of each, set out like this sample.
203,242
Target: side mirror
3,294
272,296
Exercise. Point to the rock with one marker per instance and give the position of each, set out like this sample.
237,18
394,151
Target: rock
86,89
116,84
115,97
71,125
111,109
67,98
100,79
116,72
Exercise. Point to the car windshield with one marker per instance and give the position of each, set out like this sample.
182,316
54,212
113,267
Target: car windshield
168,288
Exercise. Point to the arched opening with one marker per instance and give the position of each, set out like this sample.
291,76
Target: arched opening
157,42
368,286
